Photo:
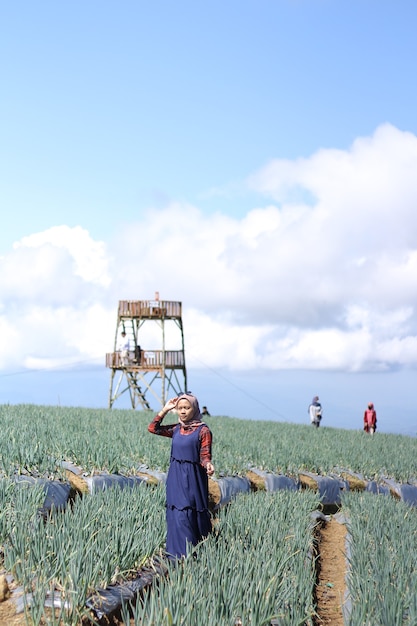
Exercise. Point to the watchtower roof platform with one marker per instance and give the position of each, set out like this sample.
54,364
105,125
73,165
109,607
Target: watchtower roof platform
149,309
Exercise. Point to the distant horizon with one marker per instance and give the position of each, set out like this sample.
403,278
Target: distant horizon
277,396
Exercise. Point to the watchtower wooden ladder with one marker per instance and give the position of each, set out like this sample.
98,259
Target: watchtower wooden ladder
146,370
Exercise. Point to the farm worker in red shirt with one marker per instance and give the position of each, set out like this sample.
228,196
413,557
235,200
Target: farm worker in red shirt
369,419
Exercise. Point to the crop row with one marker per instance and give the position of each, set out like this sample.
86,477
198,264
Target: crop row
382,549
258,563
257,567
35,439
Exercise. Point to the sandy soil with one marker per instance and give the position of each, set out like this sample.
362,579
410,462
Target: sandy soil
331,584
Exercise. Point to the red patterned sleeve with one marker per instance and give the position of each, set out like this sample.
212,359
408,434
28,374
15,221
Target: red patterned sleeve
156,428
206,439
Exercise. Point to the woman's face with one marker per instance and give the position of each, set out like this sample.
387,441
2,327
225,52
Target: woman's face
185,410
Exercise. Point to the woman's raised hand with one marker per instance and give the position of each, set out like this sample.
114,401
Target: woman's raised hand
170,405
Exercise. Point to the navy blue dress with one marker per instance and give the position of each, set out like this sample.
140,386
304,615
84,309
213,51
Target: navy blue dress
187,513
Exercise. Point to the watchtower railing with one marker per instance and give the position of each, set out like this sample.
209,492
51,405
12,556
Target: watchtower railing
149,309
147,360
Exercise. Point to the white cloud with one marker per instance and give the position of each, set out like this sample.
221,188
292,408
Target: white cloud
51,286
323,276
87,256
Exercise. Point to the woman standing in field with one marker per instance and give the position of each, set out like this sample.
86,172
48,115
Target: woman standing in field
187,513
369,419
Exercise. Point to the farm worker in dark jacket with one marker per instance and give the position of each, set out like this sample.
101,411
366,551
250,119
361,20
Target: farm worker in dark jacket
187,512
369,419
315,412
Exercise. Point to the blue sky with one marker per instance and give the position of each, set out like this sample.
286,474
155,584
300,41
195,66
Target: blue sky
254,160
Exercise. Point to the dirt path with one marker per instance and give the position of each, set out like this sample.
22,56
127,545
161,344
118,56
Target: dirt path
331,584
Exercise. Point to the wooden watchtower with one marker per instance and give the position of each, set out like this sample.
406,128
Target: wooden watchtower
145,369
